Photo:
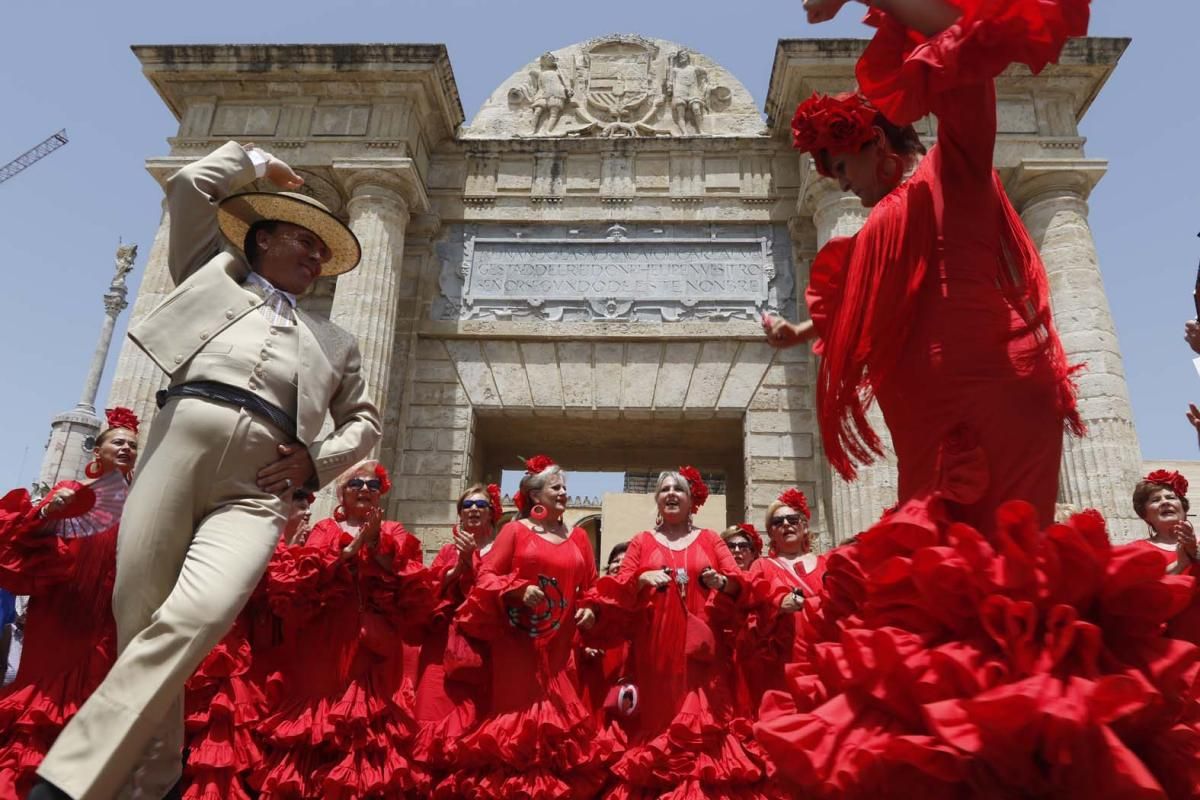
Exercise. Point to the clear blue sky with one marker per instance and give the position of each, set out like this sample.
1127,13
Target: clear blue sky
68,65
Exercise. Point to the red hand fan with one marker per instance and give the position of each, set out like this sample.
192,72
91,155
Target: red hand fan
111,491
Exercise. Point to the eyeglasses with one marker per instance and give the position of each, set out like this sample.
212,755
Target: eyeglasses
358,483
736,546
790,519
475,504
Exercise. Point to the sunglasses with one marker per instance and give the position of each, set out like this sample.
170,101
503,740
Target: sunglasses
358,483
790,519
475,504
736,546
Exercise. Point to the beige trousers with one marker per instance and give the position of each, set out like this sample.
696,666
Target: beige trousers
195,538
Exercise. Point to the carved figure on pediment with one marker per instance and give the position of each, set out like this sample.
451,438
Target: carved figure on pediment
687,88
550,92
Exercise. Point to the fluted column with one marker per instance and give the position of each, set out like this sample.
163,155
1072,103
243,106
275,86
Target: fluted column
365,300
1100,469
137,379
856,505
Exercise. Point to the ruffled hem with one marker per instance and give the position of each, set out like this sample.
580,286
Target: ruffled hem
1026,663
29,563
902,73
541,752
718,759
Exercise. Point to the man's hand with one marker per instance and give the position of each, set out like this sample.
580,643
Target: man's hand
277,170
293,469
782,334
1191,332
822,10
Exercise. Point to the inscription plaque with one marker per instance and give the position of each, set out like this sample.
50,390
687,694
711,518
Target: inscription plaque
702,272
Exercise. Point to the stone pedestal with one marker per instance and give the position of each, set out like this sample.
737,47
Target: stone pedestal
1100,470
854,505
365,301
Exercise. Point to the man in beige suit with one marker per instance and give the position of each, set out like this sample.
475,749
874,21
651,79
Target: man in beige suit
252,379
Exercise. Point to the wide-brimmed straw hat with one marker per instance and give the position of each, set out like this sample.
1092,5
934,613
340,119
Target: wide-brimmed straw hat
238,212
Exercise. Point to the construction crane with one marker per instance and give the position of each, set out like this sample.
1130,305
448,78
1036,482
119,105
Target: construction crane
29,157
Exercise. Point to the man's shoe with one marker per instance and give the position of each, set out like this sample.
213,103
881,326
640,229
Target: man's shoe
45,790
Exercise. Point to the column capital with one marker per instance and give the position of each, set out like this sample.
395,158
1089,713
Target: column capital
397,174
1037,179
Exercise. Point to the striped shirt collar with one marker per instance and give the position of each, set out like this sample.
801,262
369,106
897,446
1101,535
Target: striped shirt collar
260,281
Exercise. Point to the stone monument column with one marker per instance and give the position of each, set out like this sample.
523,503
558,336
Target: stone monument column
73,433
854,505
1100,469
365,300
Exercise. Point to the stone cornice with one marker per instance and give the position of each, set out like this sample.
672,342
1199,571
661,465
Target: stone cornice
169,68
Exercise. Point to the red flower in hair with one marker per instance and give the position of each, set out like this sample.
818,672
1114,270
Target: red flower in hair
310,498
385,482
753,535
1172,480
121,417
520,502
697,488
493,492
794,498
838,124
538,463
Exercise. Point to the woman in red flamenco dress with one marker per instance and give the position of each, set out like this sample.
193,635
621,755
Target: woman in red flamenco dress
687,740
939,306
786,580
960,648
539,741
224,700
452,683
337,729
70,640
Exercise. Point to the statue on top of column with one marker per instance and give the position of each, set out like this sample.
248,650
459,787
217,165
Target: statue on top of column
126,255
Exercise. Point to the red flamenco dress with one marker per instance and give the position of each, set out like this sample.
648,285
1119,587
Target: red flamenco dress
452,677
70,640
336,729
687,740
772,637
539,741
939,306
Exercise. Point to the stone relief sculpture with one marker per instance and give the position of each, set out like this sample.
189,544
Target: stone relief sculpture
621,85
687,90
548,93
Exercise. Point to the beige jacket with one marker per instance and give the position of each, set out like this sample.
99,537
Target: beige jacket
209,296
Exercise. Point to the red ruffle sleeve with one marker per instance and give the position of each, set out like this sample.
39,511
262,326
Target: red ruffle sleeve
32,561
905,75
484,613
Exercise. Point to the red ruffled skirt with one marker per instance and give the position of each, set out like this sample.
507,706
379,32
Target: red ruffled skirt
1026,664
342,747
548,751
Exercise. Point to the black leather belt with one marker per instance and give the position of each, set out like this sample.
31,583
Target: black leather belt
224,393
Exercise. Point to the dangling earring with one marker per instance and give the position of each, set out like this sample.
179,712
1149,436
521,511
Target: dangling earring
339,514
94,469
539,513
658,521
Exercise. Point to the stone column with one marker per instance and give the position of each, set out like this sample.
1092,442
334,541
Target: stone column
1100,469
364,302
856,505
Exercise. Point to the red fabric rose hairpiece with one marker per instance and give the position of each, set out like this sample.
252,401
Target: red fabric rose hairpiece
794,498
533,466
753,535
385,482
121,417
839,123
1172,480
697,488
493,492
